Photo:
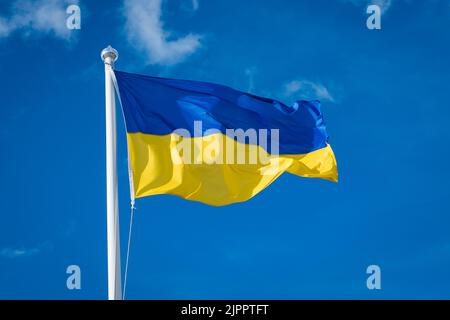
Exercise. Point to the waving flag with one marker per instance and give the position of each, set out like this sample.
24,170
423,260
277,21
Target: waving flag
210,143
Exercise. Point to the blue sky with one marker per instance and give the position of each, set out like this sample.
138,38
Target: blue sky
385,96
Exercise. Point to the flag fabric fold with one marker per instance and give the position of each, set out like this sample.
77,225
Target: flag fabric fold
210,143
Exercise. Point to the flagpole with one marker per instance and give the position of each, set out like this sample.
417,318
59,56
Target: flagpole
109,56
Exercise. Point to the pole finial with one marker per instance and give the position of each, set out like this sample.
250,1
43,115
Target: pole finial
109,53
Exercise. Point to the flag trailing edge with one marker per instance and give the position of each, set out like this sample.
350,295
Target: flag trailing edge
210,143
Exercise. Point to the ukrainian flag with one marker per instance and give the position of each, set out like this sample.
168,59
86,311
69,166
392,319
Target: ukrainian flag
210,143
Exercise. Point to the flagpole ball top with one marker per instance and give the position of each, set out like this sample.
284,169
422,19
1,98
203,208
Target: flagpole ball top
109,52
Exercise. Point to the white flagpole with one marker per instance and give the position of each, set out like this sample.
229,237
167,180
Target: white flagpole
109,56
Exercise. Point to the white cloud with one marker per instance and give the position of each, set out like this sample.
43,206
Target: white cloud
18,252
190,6
145,31
37,17
195,5
250,73
383,4
4,28
308,90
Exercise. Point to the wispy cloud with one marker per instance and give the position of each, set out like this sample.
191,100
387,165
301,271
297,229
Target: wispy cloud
4,28
12,253
36,17
383,4
22,252
190,6
305,89
145,31
195,5
250,73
